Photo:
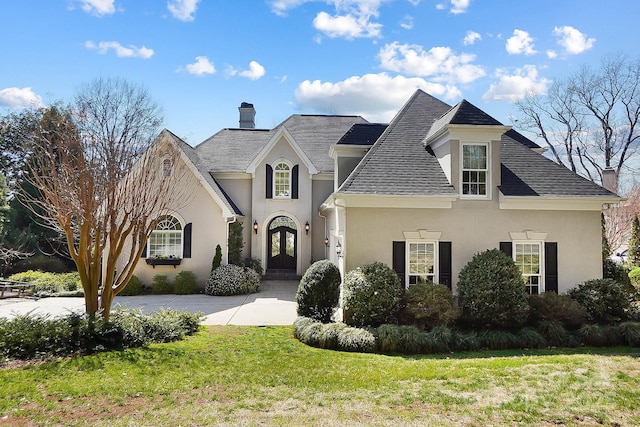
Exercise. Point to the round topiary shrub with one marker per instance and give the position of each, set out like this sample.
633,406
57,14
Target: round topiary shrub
605,300
491,292
231,279
185,283
133,287
160,284
319,291
427,305
371,296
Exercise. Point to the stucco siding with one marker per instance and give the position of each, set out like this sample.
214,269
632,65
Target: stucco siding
472,227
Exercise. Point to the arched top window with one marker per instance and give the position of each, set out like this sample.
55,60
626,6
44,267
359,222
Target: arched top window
166,240
282,181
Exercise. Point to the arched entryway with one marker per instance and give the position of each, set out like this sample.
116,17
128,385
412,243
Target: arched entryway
282,244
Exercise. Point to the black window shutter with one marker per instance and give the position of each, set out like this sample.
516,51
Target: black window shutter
294,182
444,263
551,267
186,241
399,260
269,180
507,249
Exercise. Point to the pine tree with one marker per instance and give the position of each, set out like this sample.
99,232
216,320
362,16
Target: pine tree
633,256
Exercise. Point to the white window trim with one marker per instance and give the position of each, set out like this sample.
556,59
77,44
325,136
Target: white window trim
540,243
181,245
488,172
436,259
274,165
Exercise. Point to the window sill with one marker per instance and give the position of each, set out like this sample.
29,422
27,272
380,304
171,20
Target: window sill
160,261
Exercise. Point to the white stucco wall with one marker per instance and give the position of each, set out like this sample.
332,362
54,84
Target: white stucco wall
472,227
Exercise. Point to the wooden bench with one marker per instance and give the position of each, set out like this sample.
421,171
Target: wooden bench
13,288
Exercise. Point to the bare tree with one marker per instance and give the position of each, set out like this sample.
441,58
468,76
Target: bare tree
618,219
590,120
104,183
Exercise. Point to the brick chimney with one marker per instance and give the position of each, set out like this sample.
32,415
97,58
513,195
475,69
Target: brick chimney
610,180
247,116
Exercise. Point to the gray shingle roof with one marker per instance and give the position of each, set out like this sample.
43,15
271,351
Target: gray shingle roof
398,163
463,113
232,150
363,134
527,173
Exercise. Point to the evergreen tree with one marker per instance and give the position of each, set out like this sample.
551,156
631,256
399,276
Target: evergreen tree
633,256
235,243
606,249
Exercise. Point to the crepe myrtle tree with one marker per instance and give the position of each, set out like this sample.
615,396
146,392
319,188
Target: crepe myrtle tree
103,183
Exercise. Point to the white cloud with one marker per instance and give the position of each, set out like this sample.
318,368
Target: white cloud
572,40
377,97
439,63
201,67
551,54
520,43
14,97
281,7
457,6
183,10
98,7
254,72
121,51
471,38
511,87
407,22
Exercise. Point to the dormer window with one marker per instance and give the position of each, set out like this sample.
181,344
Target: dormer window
475,170
282,181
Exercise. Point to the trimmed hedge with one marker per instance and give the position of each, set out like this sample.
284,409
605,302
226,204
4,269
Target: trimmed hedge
396,339
133,287
231,279
39,336
185,283
371,295
161,285
318,293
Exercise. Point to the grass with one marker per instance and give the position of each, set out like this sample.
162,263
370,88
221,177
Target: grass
254,376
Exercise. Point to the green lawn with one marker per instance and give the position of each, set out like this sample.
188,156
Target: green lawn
253,376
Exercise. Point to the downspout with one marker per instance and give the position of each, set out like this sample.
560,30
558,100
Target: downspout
226,245
326,236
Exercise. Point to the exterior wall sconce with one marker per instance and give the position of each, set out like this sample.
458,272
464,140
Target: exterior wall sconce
339,250
255,226
326,241
307,227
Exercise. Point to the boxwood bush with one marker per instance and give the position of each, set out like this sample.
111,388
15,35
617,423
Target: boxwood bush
231,279
561,308
185,283
372,295
160,285
427,305
319,291
605,300
491,292
133,287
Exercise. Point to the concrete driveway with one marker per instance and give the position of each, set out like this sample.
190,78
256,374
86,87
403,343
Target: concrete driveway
273,305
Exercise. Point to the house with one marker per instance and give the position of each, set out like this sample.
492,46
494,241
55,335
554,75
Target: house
422,194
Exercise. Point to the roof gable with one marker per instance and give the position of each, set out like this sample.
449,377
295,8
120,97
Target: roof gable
281,133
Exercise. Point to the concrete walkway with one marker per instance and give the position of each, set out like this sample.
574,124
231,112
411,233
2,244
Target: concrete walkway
273,305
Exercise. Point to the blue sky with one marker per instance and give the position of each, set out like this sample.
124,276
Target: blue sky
200,59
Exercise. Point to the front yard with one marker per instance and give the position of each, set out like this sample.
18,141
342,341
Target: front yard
252,376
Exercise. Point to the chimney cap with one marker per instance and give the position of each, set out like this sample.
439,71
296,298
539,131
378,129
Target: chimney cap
246,105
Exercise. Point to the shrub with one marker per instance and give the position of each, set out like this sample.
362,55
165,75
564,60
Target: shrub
630,331
605,300
561,308
615,271
530,338
553,332
440,339
185,283
46,283
231,279
634,278
600,335
467,341
497,340
254,264
356,339
49,264
371,295
319,291
217,258
36,336
491,292
329,335
160,284
428,305
133,287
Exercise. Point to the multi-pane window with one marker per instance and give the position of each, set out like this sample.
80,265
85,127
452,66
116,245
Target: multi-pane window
166,168
282,181
528,258
422,261
166,240
474,169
